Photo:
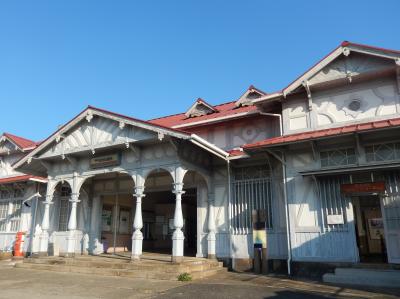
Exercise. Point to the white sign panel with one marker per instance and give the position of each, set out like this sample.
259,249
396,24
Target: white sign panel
335,219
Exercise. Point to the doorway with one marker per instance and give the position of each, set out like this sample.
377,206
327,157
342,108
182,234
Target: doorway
116,223
369,227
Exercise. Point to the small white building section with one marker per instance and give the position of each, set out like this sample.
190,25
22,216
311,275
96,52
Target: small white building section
18,191
340,126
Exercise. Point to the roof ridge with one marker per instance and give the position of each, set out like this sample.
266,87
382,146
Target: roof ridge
182,113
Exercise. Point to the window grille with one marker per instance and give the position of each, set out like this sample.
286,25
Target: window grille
3,215
15,217
391,202
10,207
65,208
338,157
251,190
382,152
332,201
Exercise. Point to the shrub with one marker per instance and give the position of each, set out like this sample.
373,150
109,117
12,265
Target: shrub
184,277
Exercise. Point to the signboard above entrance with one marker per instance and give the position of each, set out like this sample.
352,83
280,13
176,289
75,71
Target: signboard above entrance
375,187
105,161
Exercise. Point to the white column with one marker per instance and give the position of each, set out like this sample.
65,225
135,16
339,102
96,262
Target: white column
44,236
178,237
211,239
137,237
72,224
94,226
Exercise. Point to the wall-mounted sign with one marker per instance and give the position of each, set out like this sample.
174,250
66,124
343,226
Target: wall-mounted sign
105,161
375,187
335,219
259,218
376,230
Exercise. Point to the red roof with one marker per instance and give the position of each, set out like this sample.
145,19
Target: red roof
20,178
21,142
395,122
236,153
223,110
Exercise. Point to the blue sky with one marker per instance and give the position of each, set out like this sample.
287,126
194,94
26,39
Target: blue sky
153,58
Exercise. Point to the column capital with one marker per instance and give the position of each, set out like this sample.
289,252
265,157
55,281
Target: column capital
48,200
178,188
74,197
139,192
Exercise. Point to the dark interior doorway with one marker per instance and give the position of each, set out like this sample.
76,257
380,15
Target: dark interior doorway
369,229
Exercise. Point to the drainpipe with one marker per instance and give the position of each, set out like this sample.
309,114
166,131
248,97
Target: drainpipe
289,243
283,163
228,166
280,120
33,222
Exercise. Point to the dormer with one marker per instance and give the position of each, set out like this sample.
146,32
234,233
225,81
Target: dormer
10,144
251,94
200,108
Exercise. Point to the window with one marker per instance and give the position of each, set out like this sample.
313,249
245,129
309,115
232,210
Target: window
10,207
65,208
251,190
338,157
354,105
3,215
333,203
10,215
382,152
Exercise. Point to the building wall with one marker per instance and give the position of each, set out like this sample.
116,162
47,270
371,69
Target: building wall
231,134
310,240
379,99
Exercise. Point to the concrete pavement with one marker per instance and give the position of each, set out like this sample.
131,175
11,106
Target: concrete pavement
33,284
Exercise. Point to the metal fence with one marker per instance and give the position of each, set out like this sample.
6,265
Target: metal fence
249,195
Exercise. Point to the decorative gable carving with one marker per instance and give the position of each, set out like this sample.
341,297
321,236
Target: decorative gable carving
349,66
200,108
251,94
6,146
99,132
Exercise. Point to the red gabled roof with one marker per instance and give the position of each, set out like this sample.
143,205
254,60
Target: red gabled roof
21,178
306,136
226,109
21,142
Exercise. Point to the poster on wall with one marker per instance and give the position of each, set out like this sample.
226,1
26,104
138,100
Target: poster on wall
375,226
106,217
124,222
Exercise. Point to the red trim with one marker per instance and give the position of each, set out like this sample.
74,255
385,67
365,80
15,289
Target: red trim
20,178
21,142
305,136
139,120
235,153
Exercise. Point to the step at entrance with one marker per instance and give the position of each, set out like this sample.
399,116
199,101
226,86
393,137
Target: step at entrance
147,268
364,277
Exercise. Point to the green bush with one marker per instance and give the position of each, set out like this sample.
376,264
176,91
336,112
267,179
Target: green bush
184,277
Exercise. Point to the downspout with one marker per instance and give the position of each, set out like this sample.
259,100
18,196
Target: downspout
33,222
283,163
289,243
228,166
280,120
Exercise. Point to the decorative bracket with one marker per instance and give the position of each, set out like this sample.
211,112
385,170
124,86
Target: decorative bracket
308,90
314,149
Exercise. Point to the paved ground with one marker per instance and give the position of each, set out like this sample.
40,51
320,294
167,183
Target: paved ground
33,284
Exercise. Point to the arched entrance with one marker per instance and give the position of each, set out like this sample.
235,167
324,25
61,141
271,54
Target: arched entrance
111,206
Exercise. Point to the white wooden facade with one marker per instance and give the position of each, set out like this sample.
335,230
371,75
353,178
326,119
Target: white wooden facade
234,167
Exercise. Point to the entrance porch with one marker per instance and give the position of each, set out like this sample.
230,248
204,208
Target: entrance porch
150,266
